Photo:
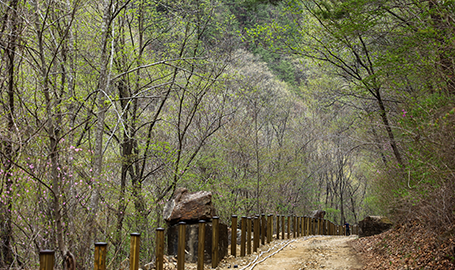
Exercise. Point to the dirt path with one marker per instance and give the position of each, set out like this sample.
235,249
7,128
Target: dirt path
317,252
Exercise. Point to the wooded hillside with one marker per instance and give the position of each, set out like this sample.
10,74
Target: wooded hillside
275,106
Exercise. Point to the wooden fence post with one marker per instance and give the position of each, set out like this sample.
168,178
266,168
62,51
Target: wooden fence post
256,234
307,227
313,226
294,227
243,237
159,248
278,227
181,246
215,240
289,227
310,230
134,251
234,236
283,227
303,226
100,256
263,229
269,228
248,236
200,245
304,229
46,259
297,226
299,222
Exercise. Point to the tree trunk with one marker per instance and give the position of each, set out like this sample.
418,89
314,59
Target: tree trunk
10,23
385,121
103,86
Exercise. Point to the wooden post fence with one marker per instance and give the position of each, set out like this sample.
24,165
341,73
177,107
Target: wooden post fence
200,245
289,227
46,259
256,234
263,229
263,232
299,221
248,236
100,256
243,236
134,251
319,226
313,226
278,217
234,236
181,246
294,227
215,240
307,223
159,248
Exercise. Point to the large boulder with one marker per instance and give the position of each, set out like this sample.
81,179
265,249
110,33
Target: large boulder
318,214
373,225
191,241
189,207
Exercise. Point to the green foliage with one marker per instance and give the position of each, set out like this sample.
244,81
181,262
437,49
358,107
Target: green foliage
267,104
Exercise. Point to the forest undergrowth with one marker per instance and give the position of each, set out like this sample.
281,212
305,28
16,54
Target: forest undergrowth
409,245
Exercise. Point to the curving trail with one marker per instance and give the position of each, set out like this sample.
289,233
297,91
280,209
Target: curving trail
317,252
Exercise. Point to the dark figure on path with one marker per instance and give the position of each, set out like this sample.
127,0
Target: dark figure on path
347,229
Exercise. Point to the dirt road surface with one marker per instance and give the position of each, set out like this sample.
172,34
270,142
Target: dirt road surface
316,252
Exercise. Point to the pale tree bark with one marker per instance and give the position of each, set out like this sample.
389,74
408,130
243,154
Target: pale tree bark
102,92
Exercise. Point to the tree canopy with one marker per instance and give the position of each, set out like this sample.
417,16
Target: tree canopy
275,106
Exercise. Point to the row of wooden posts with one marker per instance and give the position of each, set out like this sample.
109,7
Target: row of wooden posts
261,227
